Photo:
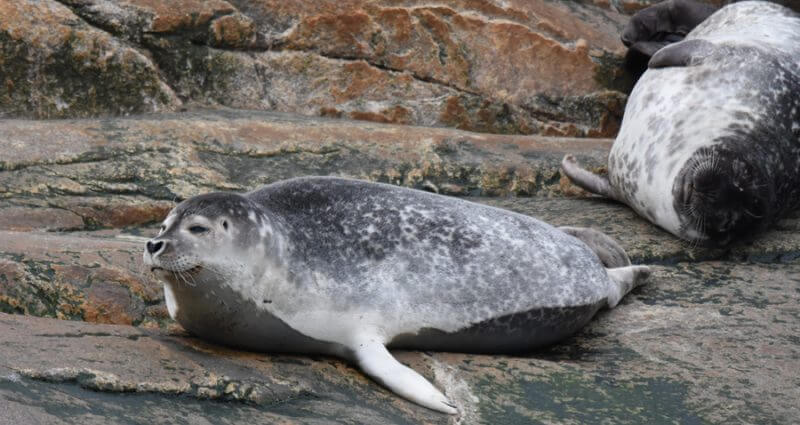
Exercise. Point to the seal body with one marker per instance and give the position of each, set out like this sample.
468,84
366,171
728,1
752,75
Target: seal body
346,267
709,147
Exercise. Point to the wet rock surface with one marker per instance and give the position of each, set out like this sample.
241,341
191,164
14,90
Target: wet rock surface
712,338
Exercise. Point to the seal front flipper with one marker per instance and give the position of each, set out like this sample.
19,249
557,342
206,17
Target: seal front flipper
685,53
375,360
588,180
623,279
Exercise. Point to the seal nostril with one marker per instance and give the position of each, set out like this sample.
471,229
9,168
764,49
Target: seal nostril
153,248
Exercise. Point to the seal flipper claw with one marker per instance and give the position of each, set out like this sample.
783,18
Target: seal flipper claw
623,280
375,360
586,179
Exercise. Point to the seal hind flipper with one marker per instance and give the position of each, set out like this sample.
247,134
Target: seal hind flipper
375,360
611,254
588,180
684,53
624,279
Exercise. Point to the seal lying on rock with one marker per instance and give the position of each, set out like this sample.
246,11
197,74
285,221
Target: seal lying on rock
347,268
709,147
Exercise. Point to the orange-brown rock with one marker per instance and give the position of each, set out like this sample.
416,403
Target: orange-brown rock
510,67
53,64
94,278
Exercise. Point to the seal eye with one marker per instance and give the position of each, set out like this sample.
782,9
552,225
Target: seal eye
198,229
225,224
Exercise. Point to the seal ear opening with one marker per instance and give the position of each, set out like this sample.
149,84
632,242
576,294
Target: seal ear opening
607,249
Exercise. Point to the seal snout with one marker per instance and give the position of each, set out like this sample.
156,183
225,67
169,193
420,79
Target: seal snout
726,198
154,247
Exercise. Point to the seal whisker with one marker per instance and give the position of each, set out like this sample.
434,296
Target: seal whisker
190,277
746,211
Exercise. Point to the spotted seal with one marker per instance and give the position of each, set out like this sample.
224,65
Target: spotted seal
709,147
348,268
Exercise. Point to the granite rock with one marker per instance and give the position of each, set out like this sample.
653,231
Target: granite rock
543,67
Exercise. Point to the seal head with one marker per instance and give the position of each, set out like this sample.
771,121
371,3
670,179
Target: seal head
191,239
207,245
664,23
720,196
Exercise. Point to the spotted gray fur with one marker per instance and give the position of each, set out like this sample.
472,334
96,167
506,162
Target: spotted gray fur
718,110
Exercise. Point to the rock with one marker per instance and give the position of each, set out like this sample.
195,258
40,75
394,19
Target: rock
92,278
649,244
124,172
712,342
53,64
504,67
106,181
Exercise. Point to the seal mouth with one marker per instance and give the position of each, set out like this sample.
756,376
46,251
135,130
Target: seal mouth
194,269
186,276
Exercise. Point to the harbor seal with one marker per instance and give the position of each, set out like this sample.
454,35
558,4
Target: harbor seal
348,268
709,147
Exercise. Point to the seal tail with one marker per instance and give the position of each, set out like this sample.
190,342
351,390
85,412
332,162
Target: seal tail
587,180
623,279
607,249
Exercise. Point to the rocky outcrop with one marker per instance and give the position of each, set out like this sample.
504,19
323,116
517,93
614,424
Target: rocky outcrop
52,64
711,338
502,67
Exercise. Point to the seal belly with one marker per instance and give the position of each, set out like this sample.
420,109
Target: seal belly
513,333
225,317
